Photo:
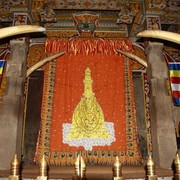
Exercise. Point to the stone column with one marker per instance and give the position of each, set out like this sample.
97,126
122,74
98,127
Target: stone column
162,124
12,106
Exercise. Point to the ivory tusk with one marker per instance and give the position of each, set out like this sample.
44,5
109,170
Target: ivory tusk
15,30
165,35
42,62
134,57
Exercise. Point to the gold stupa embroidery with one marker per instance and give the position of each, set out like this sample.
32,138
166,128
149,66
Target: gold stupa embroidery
88,117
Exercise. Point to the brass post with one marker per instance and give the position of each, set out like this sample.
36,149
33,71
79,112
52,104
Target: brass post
83,169
77,166
15,169
117,170
42,169
151,173
177,167
80,169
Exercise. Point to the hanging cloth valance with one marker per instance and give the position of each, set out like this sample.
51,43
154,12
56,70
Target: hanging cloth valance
87,46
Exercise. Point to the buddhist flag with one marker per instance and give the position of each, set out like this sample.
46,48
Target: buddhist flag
2,62
174,68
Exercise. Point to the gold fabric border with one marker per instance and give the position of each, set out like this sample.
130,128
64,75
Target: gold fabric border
43,144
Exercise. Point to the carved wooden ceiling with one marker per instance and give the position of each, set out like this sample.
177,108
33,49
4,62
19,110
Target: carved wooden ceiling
125,17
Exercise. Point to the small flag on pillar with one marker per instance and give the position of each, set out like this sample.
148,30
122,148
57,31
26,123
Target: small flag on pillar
2,63
174,68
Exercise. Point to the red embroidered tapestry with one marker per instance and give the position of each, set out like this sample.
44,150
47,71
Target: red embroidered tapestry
88,104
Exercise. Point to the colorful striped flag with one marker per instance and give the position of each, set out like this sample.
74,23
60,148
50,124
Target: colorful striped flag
174,68
2,63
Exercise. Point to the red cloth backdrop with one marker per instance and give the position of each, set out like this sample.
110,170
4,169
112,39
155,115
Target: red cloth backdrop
64,87
108,86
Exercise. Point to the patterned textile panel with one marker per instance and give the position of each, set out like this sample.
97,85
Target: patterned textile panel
88,104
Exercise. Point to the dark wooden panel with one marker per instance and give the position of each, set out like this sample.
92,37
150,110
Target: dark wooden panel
140,113
33,116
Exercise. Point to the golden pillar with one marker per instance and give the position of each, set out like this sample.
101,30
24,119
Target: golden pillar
177,167
15,169
42,170
151,173
117,170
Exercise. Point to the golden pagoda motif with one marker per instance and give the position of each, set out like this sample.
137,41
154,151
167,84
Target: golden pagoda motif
88,117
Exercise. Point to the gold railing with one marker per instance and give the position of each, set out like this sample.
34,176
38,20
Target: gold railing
80,169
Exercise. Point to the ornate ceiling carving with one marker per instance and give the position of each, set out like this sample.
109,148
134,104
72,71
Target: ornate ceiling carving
90,4
126,16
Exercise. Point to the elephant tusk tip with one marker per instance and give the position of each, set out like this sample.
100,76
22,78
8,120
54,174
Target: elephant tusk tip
41,29
118,50
138,35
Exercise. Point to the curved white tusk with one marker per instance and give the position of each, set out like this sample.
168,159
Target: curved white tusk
42,62
15,30
134,57
165,35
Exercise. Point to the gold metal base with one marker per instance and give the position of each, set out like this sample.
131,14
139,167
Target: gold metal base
118,178
152,177
42,178
13,178
78,178
75,177
177,177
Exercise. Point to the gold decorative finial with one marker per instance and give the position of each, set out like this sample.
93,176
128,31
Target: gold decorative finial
88,92
151,173
80,168
150,166
15,169
42,169
83,168
15,166
177,167
77,166
117,169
